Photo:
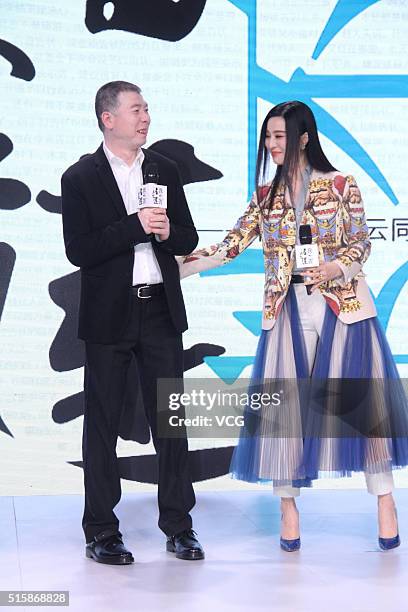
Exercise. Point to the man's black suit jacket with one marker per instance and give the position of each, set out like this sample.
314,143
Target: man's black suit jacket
100,236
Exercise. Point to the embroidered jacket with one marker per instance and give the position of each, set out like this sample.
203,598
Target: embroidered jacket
334,210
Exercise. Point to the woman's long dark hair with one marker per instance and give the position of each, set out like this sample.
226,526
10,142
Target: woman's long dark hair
298,119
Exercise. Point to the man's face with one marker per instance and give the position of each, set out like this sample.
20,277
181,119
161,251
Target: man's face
129,124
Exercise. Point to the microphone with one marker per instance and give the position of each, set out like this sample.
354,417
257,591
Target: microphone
307,254
151,174
151,194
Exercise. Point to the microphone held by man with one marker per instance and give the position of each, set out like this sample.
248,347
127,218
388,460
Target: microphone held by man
151,194
152,204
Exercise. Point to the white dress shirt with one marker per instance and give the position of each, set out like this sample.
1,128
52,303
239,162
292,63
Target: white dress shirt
146,269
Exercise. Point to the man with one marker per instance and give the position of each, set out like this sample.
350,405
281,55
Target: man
131,304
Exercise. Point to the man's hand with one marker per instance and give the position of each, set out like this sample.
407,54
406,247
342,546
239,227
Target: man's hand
155,221
322,274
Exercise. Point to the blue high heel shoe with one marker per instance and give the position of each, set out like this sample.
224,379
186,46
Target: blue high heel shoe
289,545
390,543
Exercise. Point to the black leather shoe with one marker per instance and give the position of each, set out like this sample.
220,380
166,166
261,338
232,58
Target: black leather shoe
185,545
109,549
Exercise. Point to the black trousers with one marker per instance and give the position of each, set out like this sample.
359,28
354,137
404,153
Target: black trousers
158,348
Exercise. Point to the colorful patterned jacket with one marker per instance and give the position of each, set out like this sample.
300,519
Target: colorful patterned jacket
335,212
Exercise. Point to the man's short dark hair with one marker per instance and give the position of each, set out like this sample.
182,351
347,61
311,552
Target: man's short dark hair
106,99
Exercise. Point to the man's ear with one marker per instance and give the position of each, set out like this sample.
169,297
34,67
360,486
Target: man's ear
106,118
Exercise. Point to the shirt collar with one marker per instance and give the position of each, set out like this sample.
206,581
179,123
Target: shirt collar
115,160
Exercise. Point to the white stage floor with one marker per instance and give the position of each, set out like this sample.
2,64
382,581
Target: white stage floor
339,567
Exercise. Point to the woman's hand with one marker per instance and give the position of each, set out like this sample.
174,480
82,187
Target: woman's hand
322,274
190,264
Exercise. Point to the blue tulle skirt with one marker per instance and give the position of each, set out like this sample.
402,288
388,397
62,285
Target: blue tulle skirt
347,412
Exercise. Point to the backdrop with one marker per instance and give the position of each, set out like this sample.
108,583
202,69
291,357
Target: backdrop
210,70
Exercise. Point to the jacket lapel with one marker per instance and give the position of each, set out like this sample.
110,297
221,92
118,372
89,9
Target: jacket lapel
107,178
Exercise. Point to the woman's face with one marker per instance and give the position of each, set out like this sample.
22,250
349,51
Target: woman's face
275,139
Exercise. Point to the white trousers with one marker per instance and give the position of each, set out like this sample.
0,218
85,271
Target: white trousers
311,314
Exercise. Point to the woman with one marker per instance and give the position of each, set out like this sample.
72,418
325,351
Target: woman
352,414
